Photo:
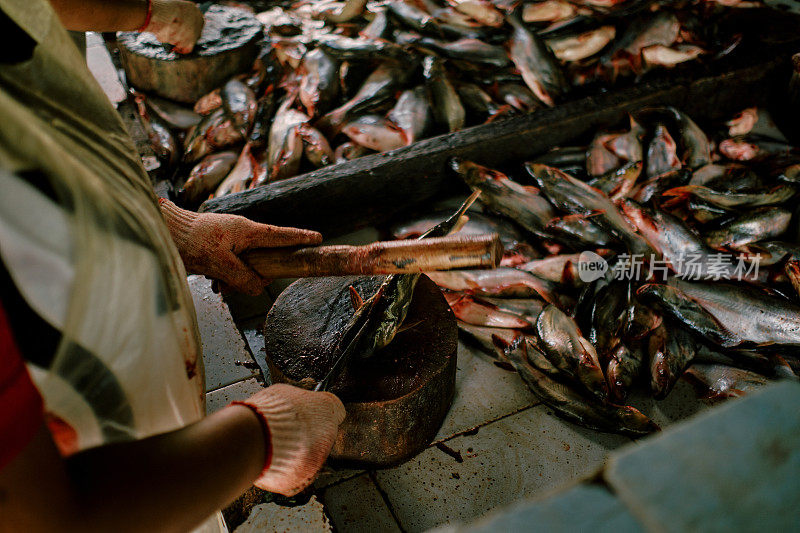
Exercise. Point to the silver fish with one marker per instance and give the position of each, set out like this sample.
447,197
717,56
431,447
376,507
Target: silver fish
447,107
375,132
556,268
519,97
721,381
527,308
507,282
577,197
316,147
215,131
379,87
501,343
777,194
176,116
584,410
569,351
479,313
760,224
671,352
348,10
412,114
582,46
662,153
481,10
206,176
523,205
239,102
686,311
734,306
473,50
682,249
319,86
618,183
245,173
536,63
348,151
285,144
624,366
578,230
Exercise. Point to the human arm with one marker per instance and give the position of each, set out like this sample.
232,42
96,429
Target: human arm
176,22
210,244
171,482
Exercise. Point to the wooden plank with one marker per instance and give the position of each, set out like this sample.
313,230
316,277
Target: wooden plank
373,189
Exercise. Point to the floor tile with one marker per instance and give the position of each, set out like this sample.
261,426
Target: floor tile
308,518
244,306
357,506
329,476
484,392
253,331
733,468
526,454
99,63
223,346
94,39
680,404
240,390
582,508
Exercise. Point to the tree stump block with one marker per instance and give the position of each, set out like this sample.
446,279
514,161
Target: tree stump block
396,400
228,46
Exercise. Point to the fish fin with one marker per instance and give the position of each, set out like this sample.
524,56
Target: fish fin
462,221
504,365
406,327
680,191
566,273
355,299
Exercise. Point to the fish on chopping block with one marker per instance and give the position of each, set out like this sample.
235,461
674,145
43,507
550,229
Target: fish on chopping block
378,319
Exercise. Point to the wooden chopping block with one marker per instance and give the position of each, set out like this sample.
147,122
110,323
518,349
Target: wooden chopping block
227,46
396,400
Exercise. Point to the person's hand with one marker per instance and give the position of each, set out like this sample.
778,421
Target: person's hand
176,22
302,427
210,244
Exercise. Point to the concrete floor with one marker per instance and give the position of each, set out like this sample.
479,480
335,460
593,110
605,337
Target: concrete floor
497,445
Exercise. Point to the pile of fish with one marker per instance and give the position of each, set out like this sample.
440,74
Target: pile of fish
654,252
339,80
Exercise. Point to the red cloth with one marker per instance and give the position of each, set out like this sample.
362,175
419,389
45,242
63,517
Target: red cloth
21,409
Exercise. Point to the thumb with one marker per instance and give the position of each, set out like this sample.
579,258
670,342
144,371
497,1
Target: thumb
268,236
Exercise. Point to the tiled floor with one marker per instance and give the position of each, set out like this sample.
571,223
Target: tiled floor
497,445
